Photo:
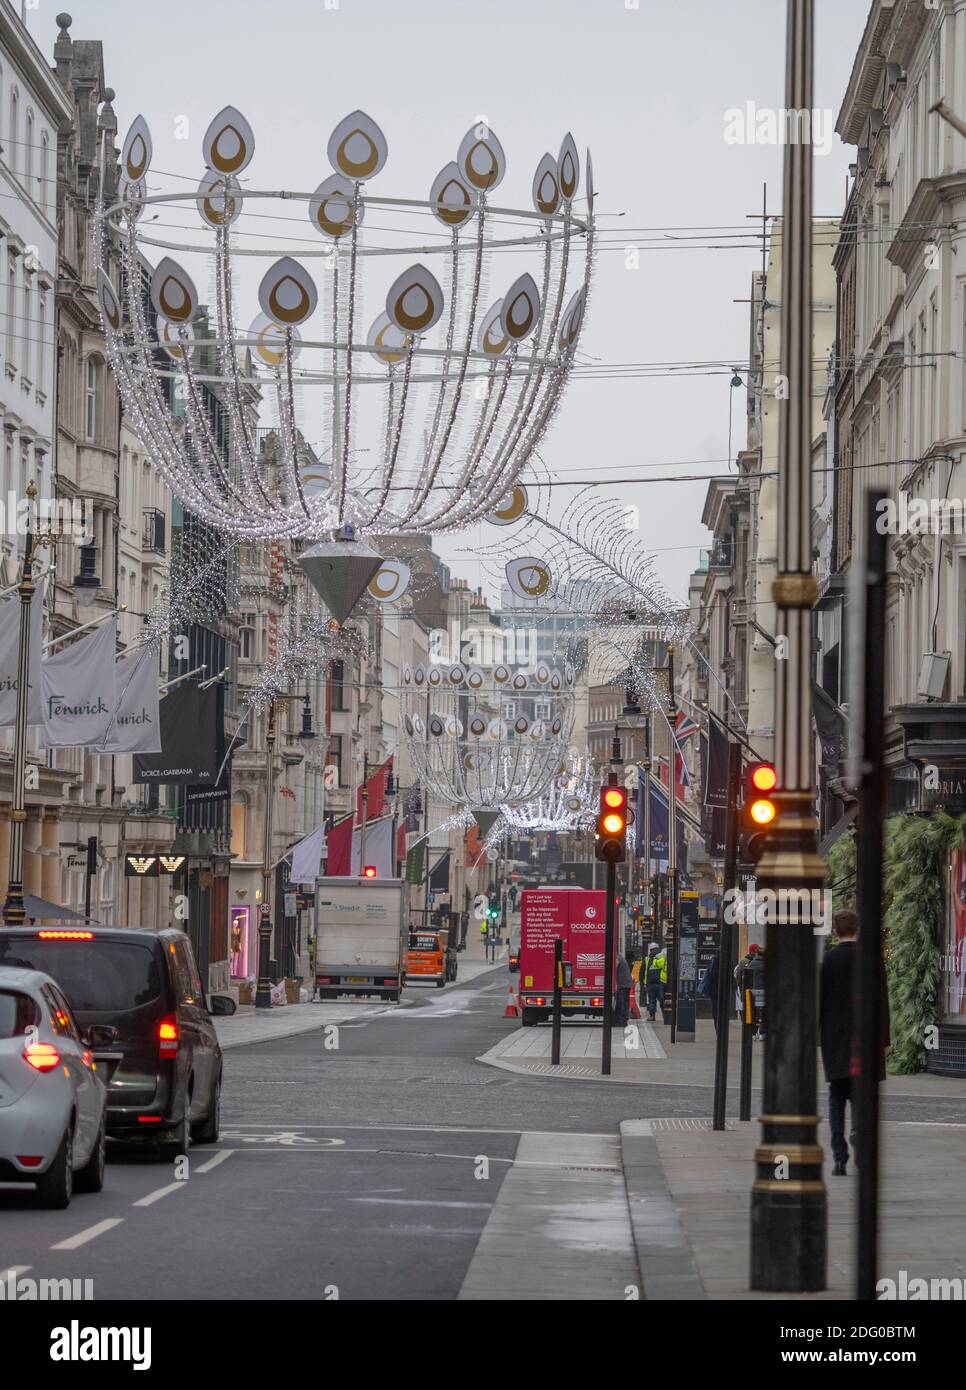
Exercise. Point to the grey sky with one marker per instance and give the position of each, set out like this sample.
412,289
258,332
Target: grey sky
646,90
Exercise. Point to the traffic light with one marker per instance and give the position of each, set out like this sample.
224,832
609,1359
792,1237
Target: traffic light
758,811
612,825
493,911
369,871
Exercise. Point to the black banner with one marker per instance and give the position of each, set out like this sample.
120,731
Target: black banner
714,765
190,741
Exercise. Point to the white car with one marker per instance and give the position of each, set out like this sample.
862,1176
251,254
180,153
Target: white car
53,1094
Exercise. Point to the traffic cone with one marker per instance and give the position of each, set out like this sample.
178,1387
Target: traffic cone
635,1011
511,1010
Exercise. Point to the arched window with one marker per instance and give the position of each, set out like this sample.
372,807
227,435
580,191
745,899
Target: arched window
45,196
90,400
13,134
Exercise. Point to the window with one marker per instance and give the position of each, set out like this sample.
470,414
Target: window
13,133
338,686
44,196
41,356
28,327
28,151
247,637
90,403
11,307
334,757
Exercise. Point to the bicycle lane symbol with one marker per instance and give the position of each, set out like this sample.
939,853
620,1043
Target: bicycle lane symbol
285,1138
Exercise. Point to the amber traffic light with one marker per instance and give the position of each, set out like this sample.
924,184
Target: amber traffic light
612,825
759,809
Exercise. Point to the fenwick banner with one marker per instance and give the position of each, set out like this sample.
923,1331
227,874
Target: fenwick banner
189,740
10,658
135,726
78,690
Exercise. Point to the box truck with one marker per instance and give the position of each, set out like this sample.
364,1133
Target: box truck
360,946
578,917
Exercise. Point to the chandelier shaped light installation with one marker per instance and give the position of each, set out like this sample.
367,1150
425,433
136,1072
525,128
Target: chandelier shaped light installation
485,738
418,418
567,805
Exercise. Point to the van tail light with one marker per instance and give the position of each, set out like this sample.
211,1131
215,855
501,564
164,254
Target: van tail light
42,1056
391,981
168,1036
30,1160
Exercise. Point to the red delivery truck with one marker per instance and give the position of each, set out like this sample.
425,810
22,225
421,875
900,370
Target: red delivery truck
577,916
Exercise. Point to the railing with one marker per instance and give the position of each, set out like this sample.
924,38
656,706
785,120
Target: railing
153,531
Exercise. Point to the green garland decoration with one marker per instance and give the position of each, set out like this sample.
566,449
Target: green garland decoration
913,920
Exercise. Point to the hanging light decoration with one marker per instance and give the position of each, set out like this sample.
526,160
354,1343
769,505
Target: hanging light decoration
484,738
566,805
422,419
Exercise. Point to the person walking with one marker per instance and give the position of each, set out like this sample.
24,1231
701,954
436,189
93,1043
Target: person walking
835,1030
625,983
654,978
709,989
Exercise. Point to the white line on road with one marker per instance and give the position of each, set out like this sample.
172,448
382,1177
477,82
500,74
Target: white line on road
92,1232
416,1202
14,1271
214,1162
160,1192
430,1129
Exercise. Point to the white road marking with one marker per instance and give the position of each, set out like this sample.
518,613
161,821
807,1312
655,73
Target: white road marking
14,1271
434,1129
92,1232
156,1196
214,1162
416,1202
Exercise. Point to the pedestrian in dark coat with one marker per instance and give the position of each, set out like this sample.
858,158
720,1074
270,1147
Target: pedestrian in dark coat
835,1022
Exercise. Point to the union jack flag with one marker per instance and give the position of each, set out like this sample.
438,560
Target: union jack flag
684,727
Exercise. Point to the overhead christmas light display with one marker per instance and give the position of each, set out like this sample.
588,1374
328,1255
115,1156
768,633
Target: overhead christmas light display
420,420
488,738
567,805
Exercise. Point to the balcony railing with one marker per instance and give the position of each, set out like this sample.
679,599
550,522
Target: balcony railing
153,531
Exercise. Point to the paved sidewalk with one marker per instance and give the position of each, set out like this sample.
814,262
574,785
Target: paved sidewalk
692,1232
527,1052
559,1228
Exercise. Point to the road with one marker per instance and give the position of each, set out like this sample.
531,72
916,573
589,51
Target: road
363,1164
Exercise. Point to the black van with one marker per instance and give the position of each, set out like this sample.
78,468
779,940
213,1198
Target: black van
167,1078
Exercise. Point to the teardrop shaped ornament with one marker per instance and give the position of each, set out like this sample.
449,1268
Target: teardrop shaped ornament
287,293
332,207
173,294
546,187
415,301
137,150
357,147
453,201
229,142
480,158
521,309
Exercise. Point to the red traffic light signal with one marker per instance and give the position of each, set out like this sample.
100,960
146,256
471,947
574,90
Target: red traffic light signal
369,871
612,825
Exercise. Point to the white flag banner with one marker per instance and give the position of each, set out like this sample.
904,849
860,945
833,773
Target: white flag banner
136,723
378,847
78,688
306,857
10,658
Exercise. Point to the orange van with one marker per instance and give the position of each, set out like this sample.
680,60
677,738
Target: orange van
427,958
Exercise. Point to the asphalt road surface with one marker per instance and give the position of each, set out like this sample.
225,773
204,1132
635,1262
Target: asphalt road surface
358,1164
